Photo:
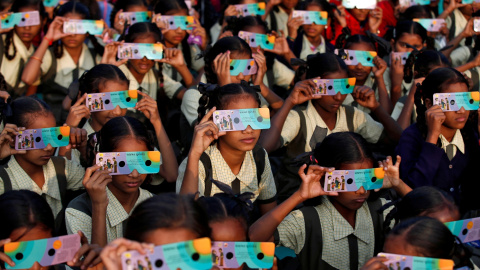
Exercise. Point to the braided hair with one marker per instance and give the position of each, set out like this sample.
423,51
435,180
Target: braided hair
79,9
16,6
220,97
226,205
232,44
435,82
420,63
313,69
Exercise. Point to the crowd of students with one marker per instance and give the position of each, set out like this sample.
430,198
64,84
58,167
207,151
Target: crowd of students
245,185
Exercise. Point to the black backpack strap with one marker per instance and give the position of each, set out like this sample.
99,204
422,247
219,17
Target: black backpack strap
350,113
475,79
2,50
52,70
59,164
259,157
377,219
451,32
270,78
207,165
7,182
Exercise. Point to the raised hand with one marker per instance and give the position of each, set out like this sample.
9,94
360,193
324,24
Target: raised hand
221,67
77,112
110,55
148,107
380,66
205,133
111,254
173,57
365,97
7,139
262,67
293,24
87,256
392,172
311,186
434,118
55,30
303,91
4,257
95,182
375,19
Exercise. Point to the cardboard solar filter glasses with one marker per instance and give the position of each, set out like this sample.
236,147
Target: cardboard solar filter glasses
352,180
152,51
9,20
330,87
31,139
354,57
455,101
251,9
136,17
46,252
233,120
403,262
108,101
122,163
92,27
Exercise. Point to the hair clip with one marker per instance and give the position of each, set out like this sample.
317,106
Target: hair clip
205,88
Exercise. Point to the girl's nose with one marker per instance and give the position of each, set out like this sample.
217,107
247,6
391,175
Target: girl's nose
134,174
361,191
248,129
117,111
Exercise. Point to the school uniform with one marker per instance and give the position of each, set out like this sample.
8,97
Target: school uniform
264,190
60,73
215,32
151,83
304,128
75,154
50,191
426,164
78,217
281,19
279,75
308,48
335,236
12,69
456,22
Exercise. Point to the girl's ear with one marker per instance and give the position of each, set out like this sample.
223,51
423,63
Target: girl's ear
428,103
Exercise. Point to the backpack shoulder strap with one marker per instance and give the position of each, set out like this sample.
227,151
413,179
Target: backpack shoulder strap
207,165
2,50
475,78
377,219
59,164
259,157
82,203
93,53
52,70
350,113
7,182
311,253
303,128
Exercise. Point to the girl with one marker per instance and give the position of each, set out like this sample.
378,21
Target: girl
217,71
234,157
37,170
423,62
228,214
424,201
113,197
301,129
65,62
108,78
309,38
278,14
161,220
142,73
278,75
16,48
177,38
339,223
28,217
125,6
407,36
424,237
358,21
374,77
441,149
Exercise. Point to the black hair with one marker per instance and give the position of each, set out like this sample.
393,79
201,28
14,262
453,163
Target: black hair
92,79
414,12
124,4
163,7
93,8
115,130
421,201
346,40
26,109
141,29
167,211
435,82
324,6
4,4
219,97
16,6
24,209
421,62
232,44
312,69
433,239
226,205
410,27
82,10
224,6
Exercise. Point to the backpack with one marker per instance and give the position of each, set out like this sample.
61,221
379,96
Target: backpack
311,254
65,195
287,179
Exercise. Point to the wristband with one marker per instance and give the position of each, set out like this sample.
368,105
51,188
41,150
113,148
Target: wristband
36,58
50,41
290,38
